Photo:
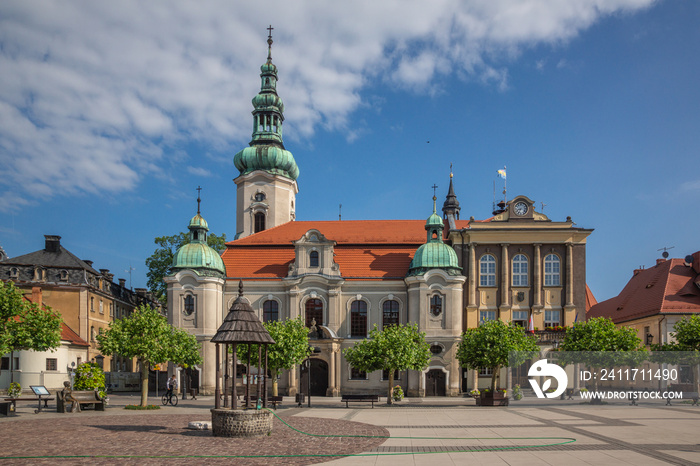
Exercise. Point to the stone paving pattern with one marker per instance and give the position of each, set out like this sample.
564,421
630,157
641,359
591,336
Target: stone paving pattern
167,435
446,431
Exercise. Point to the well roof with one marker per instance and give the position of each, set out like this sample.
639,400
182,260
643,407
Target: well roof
241,325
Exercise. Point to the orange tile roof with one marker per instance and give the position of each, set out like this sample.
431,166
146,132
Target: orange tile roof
590,299
666,288
369,249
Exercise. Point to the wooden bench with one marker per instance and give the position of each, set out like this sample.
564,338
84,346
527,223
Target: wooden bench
274,400
359,398
84,397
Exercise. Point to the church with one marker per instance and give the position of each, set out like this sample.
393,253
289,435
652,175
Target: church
343,277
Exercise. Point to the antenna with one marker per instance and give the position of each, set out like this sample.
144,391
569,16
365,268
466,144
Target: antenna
129,272
543,205
664,254
340,210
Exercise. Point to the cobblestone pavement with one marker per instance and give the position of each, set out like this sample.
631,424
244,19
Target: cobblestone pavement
157,438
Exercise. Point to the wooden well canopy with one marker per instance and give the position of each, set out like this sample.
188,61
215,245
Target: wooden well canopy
241,325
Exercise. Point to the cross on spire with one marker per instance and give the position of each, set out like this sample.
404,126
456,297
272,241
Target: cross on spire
434,190
199,191
269,42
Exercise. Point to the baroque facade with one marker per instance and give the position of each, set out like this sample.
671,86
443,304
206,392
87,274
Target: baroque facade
344,277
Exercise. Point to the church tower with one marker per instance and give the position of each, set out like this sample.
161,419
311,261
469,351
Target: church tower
266,187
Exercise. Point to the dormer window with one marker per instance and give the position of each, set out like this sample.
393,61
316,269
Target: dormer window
313,259
14,272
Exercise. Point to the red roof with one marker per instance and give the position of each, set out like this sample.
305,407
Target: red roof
365,249
67,334
667,288
590,299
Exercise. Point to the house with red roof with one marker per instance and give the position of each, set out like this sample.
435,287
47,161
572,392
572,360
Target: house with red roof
656,298
343,277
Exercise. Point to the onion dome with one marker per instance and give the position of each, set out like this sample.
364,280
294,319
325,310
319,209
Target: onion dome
197,255
266,151
434,254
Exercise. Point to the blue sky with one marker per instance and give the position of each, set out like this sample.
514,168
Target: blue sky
111,115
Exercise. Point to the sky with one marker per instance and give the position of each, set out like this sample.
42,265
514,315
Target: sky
113,113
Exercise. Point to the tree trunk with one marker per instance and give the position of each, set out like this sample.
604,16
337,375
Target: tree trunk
144,383
274,382
390,397
494,378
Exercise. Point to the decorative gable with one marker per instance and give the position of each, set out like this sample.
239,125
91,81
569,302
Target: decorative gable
314,254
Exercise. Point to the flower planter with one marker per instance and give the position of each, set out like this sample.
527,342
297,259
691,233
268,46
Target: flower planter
494,399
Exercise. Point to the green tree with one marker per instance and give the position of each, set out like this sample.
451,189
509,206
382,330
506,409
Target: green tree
495,344
395,348
598,342
147,336
290,348
25,325
160,263
686,347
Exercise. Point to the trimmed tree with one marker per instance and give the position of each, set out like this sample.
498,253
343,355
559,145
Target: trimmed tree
25,325
160,263
147,336
493,344
686,348
290,348
598,342
395,348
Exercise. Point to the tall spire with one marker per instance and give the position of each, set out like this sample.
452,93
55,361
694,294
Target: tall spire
451,205
199,200
266,151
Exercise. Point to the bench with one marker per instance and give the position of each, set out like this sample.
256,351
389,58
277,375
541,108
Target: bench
33,399
274,400
359,398
84,397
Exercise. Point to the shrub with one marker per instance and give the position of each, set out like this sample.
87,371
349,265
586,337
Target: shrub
15,390
89,376
397,393
517,392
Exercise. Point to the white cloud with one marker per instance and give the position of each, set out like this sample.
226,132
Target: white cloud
198,171
690,186
93,93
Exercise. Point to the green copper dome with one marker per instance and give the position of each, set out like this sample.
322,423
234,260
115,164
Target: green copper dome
266,151
197,255
434,254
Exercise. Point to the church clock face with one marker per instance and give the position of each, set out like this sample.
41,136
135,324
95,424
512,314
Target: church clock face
520,208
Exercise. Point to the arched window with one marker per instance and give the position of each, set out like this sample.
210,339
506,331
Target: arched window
487,270
358,319
313,259
436,305
552,270
520,270
390,313
314,310
271,311
189,305
259,222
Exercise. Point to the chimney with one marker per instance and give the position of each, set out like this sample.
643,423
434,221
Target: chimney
36,295
141,292
122,282
88,262
53,243
637,271
660,261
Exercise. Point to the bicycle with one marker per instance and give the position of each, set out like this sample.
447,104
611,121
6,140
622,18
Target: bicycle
172,399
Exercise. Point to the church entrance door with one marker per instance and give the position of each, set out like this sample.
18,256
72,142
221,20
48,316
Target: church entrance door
319,377
435,383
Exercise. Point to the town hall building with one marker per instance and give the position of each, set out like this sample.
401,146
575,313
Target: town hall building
342,278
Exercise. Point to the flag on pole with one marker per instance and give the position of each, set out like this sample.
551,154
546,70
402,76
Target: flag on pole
531,326
502,173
